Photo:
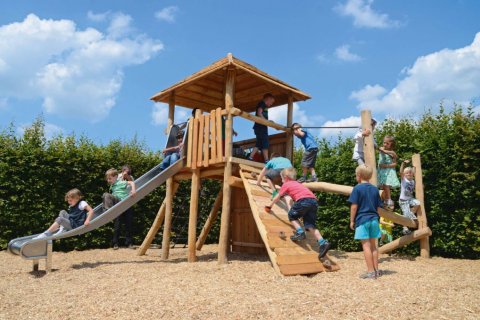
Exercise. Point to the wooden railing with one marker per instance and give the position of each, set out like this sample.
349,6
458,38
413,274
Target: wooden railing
205,146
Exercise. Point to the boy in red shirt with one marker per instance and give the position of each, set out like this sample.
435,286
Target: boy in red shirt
305,206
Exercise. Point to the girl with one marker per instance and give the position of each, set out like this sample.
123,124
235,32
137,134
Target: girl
387,177
75,217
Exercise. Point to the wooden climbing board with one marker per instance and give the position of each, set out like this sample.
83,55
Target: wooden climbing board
288,257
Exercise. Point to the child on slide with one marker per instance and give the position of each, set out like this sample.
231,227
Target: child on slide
79,213
118,189
172,154
305,206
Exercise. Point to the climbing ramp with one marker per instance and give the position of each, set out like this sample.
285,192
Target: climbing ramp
288,257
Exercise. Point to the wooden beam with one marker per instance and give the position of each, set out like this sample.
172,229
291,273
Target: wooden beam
329,187
193,216
220,151
224,241
157,224
421,212
213,142
289,144
200,140
250,245
403,241
397,218
168,219
191,124
256,119
206,141
236,182
368,145
171,112
255,166
212,216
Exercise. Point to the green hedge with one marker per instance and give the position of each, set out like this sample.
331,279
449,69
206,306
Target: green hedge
35,173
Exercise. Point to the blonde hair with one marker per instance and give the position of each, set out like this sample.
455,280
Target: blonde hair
365,172
409,169
73,194
111,173
289,173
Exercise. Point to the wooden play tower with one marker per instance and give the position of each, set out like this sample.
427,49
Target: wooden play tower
232,88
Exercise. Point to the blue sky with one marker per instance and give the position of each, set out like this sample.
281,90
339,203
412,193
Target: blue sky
91,66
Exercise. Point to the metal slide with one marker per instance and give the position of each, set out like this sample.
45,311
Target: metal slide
31,249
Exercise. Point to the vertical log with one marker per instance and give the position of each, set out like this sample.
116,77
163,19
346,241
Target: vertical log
201,130
191,124
421,213
224,242
368,145
206,141
167,227
213,157
220,150
171,112
289,144
210,221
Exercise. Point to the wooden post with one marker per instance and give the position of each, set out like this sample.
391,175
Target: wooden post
171,111
48,260
421,213
210,221
193,215
368,145
289,144
167,227
224,241
157,223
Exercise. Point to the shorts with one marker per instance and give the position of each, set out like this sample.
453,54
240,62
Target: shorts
262,139
405,205
309,158
368,230
63,220
274,175
305,208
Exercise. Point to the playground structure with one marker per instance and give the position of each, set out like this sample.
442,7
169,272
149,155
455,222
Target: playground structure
226,89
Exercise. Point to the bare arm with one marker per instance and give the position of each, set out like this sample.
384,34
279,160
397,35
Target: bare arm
402,167
132,185
353,213
89,216
275,200
261,175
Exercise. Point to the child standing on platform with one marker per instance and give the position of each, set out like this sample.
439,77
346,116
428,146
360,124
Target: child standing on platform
358,154
310,155
261,130
387,176
408,203
305,206
365,203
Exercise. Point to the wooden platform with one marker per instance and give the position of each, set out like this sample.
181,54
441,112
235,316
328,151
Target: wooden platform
288,257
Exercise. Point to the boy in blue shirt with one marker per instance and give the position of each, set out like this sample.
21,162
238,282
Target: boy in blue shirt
310,155
366,202
272,171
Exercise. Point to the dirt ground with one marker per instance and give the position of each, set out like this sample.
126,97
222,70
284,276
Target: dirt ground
108,284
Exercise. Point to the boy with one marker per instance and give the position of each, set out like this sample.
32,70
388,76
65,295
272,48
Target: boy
408,203
118,192
358,154
366,201
305,206
310,155
272,171
261,130
172,154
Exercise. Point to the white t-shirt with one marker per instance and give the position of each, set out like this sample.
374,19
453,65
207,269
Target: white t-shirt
407,189
358,149
82,205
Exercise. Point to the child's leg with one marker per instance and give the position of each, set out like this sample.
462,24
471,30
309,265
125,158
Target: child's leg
116,231
296,224
373,247
128,221
312,172
109,200
254,151
368,254
54,227
270,184
265,154
316,233
386,192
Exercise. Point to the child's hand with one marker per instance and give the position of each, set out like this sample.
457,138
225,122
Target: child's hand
352,225
268,209
133,192
259,183
366,132
87,222
406,161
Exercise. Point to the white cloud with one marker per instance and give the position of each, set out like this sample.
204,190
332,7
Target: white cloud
449,75
352,121
77,73
51,130
343,53
364,16
167,14
160,114
97,17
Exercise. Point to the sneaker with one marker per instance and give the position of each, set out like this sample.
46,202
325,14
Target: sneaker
302,179
298,236
313,179
379,273
324,247
390,205
274,193
130,246
41,236
60,230
406,231
115,247
369,275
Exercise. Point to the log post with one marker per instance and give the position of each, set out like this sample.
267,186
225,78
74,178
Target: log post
210,221
167,227
368,145
193,215
224,241
171,112
156,225
289,144
421,213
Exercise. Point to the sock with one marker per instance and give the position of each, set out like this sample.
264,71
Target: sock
300,230
321,241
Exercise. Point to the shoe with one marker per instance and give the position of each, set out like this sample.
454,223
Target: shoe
60,230
390,205
41,236
313,179
115,247
302,179
298,236
274,193
324,247
379,273
130,246
406,231
369,275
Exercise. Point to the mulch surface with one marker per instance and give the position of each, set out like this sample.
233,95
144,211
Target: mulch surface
108,284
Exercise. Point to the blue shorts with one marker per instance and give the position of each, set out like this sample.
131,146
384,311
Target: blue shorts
262,139
368,230
305,208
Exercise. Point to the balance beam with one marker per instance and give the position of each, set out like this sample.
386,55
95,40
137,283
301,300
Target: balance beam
403,241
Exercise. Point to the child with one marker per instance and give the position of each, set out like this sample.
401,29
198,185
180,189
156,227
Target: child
74,217
261,130
358,154
172,154
386,230
310,155
272,171
408,203
127,217
305,206
365,203
387,176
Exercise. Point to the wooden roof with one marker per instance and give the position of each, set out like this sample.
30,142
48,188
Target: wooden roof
205,88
